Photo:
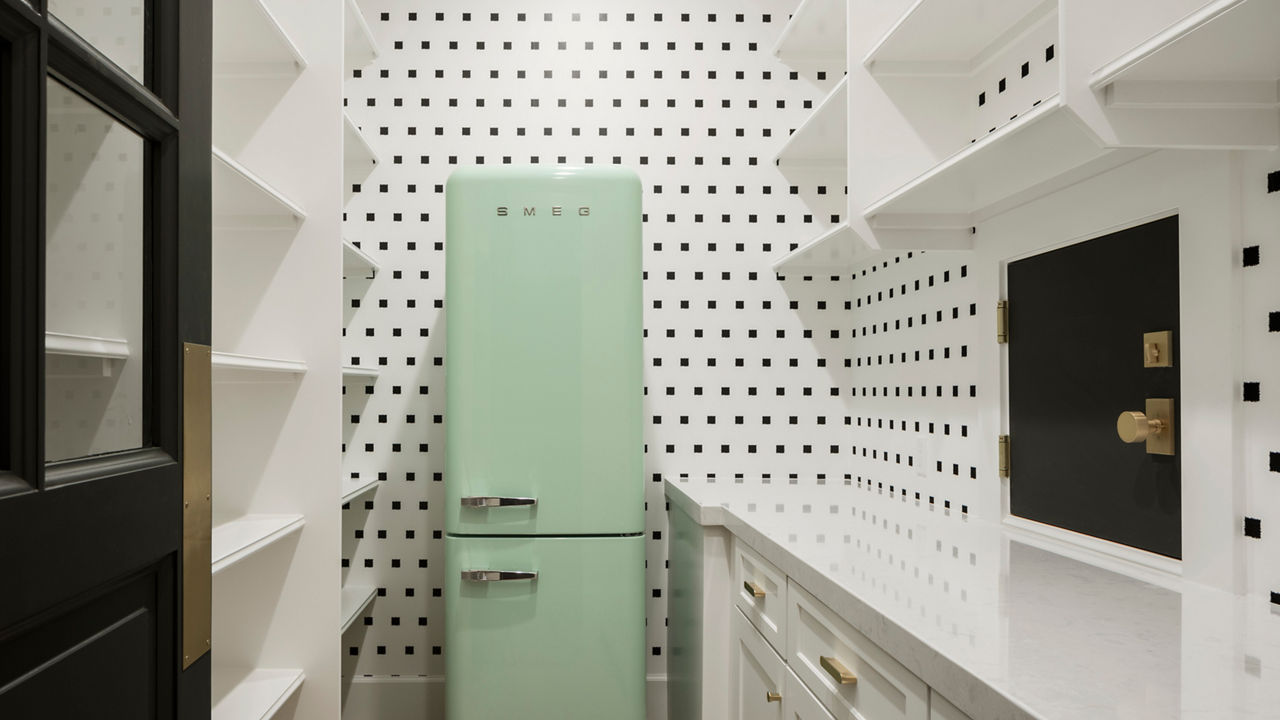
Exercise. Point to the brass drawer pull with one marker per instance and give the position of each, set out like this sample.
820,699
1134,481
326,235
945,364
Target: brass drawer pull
838,672
772,697
753,589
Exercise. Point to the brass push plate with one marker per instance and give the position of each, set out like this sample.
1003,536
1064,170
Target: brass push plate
197,505
1162,443
1157,349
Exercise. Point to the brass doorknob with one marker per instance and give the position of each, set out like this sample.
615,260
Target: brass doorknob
1134,426
772,697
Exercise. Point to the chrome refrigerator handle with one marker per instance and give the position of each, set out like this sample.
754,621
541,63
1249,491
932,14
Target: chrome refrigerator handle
498,575
488,501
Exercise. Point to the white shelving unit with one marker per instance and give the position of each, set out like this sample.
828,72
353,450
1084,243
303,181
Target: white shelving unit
107,351
1039,152
56,343
236,540
252,695
248,41
277,130
822,141
359,271
1208,80
966,115
243,200
228,365
356,262
815,34
358,155
834,249
953,37
357,371
355,600
354,489
360,47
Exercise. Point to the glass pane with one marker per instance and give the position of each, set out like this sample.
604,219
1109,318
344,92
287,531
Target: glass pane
117,28
94,277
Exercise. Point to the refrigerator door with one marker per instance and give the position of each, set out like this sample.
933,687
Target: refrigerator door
568,645
543,334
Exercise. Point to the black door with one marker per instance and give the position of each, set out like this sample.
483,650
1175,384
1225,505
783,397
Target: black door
104,257
1078,317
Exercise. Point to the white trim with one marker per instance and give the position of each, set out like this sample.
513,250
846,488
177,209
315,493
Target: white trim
1153,568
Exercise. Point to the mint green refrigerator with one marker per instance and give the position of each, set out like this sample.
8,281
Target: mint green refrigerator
544,510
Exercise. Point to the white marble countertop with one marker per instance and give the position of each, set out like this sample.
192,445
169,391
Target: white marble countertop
999,626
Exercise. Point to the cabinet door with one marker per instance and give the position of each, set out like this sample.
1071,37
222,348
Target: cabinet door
758,674
800,704
760,591
852,677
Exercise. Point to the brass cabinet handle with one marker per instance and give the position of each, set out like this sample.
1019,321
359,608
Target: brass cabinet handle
838,672
753,589
772,697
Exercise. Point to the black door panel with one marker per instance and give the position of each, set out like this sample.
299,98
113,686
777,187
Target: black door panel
1077,316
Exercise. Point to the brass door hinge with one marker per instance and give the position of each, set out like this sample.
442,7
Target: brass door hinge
1003,454
1002,322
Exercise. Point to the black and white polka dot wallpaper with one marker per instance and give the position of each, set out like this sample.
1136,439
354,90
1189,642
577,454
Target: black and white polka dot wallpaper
867,378
747,376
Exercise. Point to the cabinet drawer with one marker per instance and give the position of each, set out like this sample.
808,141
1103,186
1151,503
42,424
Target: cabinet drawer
800,704
760,591
759,674
941,709
821,646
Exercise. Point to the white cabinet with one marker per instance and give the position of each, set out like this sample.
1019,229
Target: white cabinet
760,591
759,675
800,704
848,673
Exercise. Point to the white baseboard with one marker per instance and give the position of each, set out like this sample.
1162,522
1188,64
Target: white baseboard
383,697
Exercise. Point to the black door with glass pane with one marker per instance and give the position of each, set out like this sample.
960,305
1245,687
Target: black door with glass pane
104,303
1088,344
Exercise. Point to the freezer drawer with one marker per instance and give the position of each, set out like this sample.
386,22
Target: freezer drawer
568,645
544,387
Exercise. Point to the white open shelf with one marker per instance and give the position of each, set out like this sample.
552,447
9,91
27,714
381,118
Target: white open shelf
952,37
354,489
249,42
1208,80
56,343
356,262
836,248
815,34
359,47
236,540
359,371
251,695
355,599
242,199
823,139
1039,152
356,151
232,363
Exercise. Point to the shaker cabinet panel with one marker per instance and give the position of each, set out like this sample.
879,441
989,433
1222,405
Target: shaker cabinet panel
800,704
759,675
760,591
850,675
